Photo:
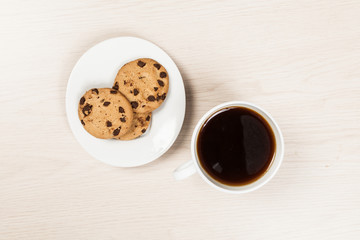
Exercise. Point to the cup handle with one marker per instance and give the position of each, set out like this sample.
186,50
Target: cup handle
184,171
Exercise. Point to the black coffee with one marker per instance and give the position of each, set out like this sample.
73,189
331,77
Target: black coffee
235,146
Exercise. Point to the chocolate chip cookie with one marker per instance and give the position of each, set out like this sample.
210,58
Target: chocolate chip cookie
144,82
105,113
139,126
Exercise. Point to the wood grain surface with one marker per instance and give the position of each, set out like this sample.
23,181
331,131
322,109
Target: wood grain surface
298,59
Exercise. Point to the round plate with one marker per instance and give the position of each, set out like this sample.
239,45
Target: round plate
97,68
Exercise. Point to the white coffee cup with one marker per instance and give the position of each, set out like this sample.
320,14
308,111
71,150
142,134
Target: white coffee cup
193,166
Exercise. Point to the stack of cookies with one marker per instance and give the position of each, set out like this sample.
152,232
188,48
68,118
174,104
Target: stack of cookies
124,111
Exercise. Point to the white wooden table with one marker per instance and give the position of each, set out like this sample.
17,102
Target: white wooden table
300,60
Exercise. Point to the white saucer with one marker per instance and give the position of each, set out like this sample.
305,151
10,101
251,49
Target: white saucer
97,68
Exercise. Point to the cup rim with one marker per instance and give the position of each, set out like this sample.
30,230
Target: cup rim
272,169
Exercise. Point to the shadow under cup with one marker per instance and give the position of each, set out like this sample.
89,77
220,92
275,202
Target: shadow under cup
238,147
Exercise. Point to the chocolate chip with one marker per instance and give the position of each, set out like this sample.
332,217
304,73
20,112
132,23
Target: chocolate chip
148,118
141,64
123,119
125,82
95,90
151,98
87,109
82,122
163,74
136,126
131,84
131,91
157,66
106,104
143,106
121,110
113,91
108,123
136,92
141,77
158,97
134,104
116,86
156,88
82,100
161,83
143,130
116,131
163,96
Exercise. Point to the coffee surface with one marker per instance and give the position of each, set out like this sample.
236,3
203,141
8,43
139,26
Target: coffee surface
235,146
